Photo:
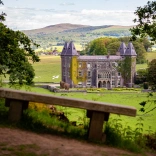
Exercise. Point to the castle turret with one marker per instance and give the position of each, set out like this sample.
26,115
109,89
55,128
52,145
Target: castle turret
68,53
130,64
71,51
130,51
65,48
122,49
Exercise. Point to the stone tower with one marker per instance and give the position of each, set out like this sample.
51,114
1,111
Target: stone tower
129,63
68,52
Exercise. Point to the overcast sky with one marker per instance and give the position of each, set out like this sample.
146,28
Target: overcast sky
33,14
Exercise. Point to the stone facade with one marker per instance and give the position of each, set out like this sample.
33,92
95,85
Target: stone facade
100,71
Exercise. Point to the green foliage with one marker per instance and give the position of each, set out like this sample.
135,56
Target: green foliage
103,46
3,111
112,48
98,46
146,20
149,104
120,136
145,85
15,55
125,69
141,52
141,76
41,121
152,74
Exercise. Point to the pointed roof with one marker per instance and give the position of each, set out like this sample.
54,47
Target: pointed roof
71,51
65,48
130,51
122,48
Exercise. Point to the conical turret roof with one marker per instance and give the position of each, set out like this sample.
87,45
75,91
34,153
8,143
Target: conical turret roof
65,48
130,51
71,50
122,48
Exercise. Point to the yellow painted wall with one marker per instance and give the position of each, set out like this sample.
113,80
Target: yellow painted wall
83,68
74,70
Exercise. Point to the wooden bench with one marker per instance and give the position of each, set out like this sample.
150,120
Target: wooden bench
98,112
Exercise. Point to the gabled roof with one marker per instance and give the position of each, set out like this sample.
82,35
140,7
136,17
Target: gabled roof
69,50
65,48
130,51
122,48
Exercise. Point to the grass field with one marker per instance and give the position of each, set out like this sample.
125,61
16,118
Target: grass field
48,69
131,99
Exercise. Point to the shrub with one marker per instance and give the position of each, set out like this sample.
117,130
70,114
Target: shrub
145,85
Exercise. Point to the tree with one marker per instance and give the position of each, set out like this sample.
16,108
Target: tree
113,47
99,46
141,76
16,53
146,43
141,52
152,73
146,21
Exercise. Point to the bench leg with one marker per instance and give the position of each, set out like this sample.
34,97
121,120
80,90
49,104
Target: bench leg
15,110
96,126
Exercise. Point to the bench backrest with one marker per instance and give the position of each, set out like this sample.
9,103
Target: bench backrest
67,102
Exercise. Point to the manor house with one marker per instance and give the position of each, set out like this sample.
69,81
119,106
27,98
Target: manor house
101,71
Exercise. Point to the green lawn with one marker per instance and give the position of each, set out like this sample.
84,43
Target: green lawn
130,99
48,69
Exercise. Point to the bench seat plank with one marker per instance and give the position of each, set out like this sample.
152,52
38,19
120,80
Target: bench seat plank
68,102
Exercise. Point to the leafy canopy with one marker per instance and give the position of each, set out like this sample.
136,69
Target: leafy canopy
105,45
16,53
146,21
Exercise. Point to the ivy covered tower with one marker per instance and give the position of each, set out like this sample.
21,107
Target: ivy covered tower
68,55
128,64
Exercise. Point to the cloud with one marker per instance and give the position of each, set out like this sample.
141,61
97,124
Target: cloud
33,18
66,4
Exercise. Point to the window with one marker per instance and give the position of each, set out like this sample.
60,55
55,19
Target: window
80,84
88,83
113,73
89,73
99,76
88,65
80,65
68,74
113,83
119,83
80,73
109,76
119,74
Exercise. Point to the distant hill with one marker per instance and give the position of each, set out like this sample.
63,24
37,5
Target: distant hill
81,34
54,29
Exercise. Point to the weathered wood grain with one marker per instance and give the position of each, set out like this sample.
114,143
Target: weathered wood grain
68,102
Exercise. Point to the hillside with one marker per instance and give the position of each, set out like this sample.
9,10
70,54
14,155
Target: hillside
54,35
54,29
